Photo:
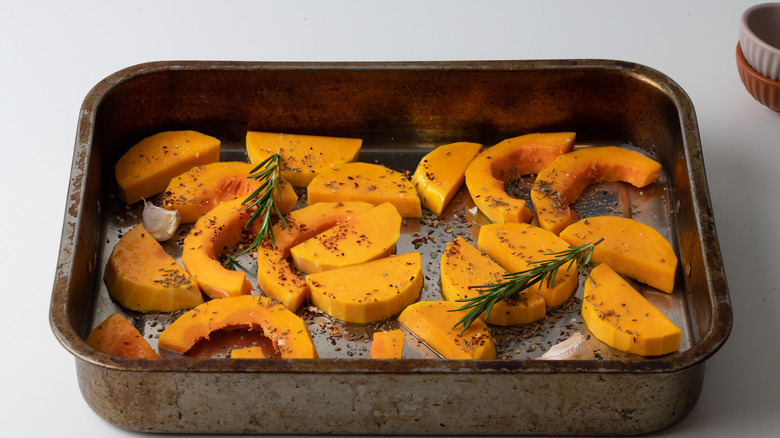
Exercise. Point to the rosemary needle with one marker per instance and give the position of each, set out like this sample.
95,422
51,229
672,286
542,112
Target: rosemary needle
514,283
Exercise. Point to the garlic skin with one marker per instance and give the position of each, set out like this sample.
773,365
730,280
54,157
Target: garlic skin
160,222
574,348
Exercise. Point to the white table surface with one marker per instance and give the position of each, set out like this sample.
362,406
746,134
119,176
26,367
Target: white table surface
53,52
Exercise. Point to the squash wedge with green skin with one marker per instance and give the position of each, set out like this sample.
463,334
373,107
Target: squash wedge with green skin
142,277
433,322
464,266
619,316
368,292
494,167
148,166
303,156
441,173
561,183
366,182
287,331
630,247
198,190
387,345
117,336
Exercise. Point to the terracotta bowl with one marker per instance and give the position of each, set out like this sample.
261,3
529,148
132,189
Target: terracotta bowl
763,89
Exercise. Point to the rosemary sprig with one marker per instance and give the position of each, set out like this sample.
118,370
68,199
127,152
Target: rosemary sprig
264,201
514,283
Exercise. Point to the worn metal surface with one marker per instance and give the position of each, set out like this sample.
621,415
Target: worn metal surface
401,110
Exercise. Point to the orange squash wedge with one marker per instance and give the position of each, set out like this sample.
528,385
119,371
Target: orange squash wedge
214,234
142,277
148,166
365,237
366,182
561,183
433,321
440,174
287,331
248,353
630,247
387,345
201,188
619,316
277,280
514,245
303,156
489,172
463,265
368,292
117,336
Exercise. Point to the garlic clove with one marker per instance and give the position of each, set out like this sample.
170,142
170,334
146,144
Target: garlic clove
160,222
574,348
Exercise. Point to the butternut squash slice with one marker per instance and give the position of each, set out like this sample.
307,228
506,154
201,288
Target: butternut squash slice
433,321
514,245
387,345
287,331
440,174
561,183
619,316
303,156
463,265
365,237
277,280
630,247
248,353
368,292
142,277
117,336
148,166
198,190
214,234
494,167
366,182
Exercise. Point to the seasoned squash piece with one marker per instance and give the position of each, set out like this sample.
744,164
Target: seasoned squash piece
440,173
368,292
214,234
366,182
388,345
463,265
513,246
527,154
198,190
148,166
277,280
619,316
433,322
303,156
117,336
561,183
630,247
365,237
248,353
142,277
287,331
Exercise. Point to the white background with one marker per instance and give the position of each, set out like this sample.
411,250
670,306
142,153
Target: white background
53,52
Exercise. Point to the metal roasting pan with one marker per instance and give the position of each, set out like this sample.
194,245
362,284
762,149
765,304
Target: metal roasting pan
401,110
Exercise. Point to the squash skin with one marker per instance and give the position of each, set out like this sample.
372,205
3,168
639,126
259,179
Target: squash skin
212,235
433,321
368,292
117,336
513,245
287,331
148,166
488,173
387,345
441,173
303,156
630,247
618,315
142,277
463,265
199,189
366,182
561,183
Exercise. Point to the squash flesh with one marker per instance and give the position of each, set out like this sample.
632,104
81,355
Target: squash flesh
387,345
441,173
117,336
277,280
